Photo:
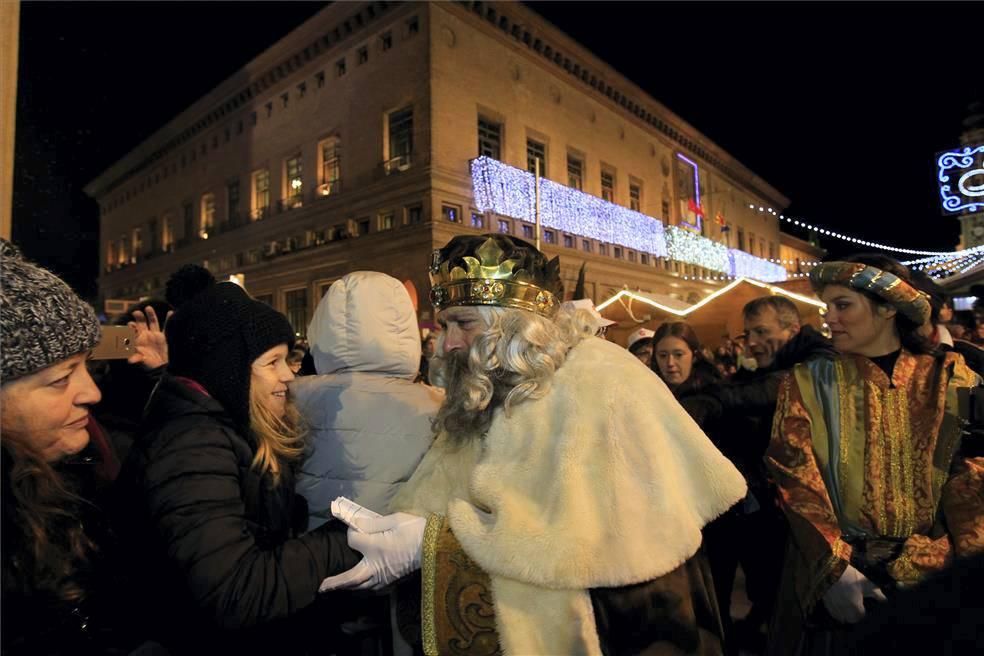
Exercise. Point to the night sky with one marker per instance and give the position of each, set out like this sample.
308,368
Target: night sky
840,106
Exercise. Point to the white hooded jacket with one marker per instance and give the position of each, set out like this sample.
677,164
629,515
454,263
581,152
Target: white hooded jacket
370,423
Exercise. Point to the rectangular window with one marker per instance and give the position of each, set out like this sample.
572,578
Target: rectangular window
362,55
477,220
632,256
644,259
189,222
536,152
635,196
586,245
772,250
761,247
386,40
602,249
415,215
207,222
362,227
167,233
400,138
666,211
232,201
137,246
451,213
617,252
319,78
413,26
153,238
123,251
340,231
386,221
295,183
741,239
340,67
110,255
608,186
261,193
549,237
330,153
575,172
568,241
527,231
296,302
489,138
504,226
751,243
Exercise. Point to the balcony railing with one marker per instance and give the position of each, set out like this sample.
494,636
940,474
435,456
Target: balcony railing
397,164
328,189
290,203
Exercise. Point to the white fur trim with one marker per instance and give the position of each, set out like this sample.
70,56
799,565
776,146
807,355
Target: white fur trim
606,481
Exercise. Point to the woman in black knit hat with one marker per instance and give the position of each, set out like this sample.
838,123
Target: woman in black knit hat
207,496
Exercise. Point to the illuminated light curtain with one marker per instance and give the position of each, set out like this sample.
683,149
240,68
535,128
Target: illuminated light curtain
509,191
743,265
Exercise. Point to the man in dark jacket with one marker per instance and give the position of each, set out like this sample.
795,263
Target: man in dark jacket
754,533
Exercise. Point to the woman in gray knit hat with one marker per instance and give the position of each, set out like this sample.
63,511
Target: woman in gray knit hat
58,590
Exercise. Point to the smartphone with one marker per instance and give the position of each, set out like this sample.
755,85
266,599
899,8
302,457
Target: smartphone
116,343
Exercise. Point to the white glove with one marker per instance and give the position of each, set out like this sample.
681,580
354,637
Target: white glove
390,546
845,599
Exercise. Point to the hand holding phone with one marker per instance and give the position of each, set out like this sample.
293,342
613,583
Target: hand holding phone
150,346
116,343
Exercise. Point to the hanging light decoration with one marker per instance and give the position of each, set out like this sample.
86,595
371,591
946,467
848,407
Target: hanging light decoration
510,191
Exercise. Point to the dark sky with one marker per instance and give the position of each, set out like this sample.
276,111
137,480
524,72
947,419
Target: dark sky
841,106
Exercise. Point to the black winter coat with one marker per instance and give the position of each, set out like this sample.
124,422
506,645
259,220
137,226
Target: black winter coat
746,404
215,547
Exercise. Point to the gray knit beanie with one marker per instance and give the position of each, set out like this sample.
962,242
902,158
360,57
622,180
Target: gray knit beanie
42,321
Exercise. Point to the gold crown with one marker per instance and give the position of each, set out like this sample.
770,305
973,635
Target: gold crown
491,279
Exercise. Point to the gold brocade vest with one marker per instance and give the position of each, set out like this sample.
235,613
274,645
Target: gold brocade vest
847,412
461,621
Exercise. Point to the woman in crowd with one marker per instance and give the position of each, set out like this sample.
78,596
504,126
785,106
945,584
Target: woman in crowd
678,360
60,590
865,451
207,495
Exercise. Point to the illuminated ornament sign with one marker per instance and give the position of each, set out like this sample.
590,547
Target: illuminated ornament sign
688,191
508,191
961,178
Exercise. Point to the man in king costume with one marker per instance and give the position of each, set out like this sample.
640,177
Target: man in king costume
866,454
566,489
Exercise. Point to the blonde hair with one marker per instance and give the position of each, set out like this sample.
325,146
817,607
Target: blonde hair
279,440
513,360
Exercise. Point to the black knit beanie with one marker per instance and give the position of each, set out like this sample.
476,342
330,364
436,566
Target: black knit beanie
42,321
214,339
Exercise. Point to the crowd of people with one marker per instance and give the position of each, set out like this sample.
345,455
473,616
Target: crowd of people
512,483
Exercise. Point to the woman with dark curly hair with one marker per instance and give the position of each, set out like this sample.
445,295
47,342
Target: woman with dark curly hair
866,453
59,592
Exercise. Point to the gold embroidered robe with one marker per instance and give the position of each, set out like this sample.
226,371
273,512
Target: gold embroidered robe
884,456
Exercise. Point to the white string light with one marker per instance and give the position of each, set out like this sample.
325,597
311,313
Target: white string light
854,240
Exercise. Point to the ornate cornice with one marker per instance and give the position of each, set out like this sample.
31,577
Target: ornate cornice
241,99
500,15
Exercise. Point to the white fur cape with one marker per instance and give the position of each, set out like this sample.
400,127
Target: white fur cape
606,481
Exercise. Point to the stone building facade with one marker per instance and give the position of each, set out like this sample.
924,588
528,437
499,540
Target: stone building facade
347,145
